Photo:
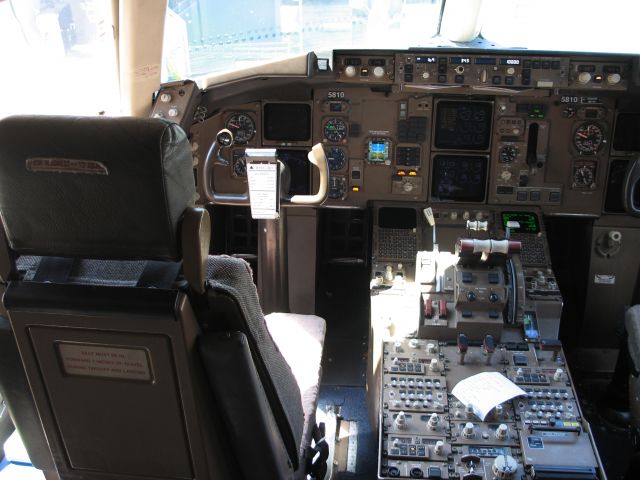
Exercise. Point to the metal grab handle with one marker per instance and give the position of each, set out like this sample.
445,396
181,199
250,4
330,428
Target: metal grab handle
213,157
631,180
317,157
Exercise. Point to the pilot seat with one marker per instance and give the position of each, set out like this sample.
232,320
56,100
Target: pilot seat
129,351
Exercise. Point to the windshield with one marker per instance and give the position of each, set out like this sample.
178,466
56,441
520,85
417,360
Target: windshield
226,36
209,36
55,55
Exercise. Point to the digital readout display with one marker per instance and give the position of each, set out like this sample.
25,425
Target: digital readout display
463,125
459,60
426,60
485,61
509,61
528,221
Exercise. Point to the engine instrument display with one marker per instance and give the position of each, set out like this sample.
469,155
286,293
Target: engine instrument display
337,158
335,130
242,126
459,178
462,125
588,138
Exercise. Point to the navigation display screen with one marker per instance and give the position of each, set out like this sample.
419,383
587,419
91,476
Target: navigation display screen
528,221
463,125
460,178
287,122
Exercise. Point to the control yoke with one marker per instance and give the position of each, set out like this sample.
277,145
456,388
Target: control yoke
224,139
631,188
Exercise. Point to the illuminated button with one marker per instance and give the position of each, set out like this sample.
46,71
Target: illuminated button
613,78
355,189
584,77
350,71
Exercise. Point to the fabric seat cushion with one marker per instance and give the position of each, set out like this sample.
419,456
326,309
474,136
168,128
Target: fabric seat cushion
300,339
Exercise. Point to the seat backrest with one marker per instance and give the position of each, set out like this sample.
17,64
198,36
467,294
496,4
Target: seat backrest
99,219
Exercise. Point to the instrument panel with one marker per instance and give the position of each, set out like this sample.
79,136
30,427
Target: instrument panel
503,128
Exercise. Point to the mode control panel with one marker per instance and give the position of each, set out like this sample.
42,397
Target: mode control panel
482,70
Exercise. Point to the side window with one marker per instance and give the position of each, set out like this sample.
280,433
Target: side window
57,57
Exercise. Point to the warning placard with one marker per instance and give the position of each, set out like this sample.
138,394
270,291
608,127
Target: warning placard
105,361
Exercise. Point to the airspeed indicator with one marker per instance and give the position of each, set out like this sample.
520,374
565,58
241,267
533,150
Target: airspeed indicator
335,130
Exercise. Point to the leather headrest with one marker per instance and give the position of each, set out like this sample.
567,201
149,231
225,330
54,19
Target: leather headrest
94,187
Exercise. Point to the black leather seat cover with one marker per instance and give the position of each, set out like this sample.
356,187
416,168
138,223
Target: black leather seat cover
118,186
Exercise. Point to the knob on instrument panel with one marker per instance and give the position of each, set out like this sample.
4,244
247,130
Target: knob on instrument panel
401,421
468,430
504,467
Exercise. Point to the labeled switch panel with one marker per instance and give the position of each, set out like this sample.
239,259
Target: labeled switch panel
426,432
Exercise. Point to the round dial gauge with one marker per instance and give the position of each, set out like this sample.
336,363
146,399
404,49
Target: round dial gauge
337,187
335,130
242,126
508,154
337,158
583,176
588,138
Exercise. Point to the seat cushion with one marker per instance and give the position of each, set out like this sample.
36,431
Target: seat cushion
300,339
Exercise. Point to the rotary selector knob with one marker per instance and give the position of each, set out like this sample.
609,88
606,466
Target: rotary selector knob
502,431
468,430
504,467
499,410
438,449
378,72
173,112
493,297
613,78
469,410
431,348
414,343
558,375
434,366
584,77
433,422
407,187
401,421
471,296
350,71
165,97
